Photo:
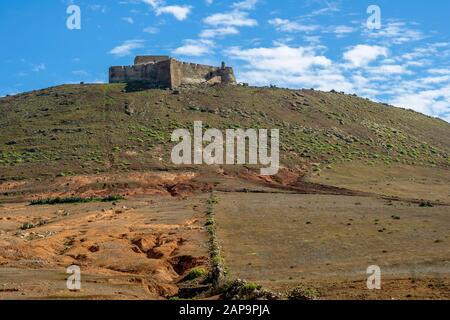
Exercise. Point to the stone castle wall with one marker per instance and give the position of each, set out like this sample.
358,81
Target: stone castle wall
170,73
149,59
154,75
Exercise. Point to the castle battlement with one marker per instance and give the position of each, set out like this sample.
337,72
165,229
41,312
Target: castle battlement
166,72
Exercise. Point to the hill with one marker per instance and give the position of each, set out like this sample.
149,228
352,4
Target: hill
85,129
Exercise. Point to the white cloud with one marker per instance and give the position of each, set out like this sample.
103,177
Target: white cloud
179,12
419,63
361,55
226,23
151,30
341,31
291,26
388,69
245,5
330,9
418,53
128,19
195,48
281,58
432,102
233,19
396,33
313,40
289,66
435,80
154,3
444,71
39,67
218,32
126,48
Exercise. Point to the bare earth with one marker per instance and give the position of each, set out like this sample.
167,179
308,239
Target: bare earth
279,232
137,249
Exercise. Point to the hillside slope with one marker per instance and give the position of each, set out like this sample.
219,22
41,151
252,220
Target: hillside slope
81,129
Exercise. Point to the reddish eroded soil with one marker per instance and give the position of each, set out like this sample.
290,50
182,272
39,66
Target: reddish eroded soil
293,180
132,183
137,249
163,183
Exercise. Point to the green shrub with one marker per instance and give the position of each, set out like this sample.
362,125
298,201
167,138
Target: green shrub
196,273
426,204
250,286
58,200
112,198
303,293
212,200
27,225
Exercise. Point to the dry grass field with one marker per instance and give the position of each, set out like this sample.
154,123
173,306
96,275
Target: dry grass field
327,242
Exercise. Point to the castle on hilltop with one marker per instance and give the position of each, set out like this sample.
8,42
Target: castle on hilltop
166,72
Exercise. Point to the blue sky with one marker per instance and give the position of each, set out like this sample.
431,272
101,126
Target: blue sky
298,44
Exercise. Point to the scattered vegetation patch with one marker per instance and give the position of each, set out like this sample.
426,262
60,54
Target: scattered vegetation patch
209,222
426,204
27,225
112,198
66,200
243,290
30,225
212,200
303,293
218,271
195,273
179,299
250,286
